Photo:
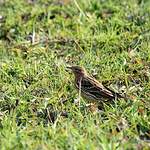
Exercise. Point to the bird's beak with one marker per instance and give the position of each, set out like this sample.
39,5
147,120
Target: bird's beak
69,67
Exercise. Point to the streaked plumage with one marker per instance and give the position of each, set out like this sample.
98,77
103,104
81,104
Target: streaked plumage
90,88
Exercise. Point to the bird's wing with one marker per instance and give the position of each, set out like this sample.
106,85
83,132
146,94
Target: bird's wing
114,93
94,88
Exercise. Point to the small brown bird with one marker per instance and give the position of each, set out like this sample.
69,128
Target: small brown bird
90,88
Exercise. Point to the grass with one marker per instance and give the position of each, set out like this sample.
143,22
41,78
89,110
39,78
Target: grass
38,39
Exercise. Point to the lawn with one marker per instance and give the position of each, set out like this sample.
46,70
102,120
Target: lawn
38,39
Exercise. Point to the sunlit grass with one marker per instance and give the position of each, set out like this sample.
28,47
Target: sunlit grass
38,39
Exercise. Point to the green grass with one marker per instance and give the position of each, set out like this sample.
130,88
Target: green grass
110,38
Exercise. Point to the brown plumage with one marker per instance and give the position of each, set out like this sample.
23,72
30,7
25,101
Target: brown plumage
90,88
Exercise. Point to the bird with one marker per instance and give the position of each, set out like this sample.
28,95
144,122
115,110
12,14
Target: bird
91,89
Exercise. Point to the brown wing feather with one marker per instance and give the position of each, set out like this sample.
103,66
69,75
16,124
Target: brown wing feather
114,93
94,89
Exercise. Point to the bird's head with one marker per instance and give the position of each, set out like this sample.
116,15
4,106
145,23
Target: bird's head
77,70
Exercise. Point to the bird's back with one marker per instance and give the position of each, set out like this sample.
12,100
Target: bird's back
92,89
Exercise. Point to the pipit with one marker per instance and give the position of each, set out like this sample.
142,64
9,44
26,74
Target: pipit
91,89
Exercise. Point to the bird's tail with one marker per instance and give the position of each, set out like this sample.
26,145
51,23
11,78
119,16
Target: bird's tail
117,95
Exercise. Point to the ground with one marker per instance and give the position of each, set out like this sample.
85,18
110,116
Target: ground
39,38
